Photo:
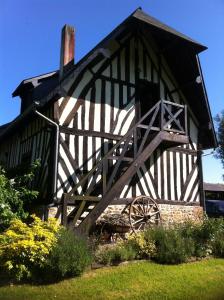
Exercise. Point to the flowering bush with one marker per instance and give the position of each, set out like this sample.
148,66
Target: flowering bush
143,244
136,246
25,248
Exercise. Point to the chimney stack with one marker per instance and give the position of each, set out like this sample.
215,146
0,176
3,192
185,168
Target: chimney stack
67,49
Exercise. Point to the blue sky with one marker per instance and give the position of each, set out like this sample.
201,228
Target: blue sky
30,42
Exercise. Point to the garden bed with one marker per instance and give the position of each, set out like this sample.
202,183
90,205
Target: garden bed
43,252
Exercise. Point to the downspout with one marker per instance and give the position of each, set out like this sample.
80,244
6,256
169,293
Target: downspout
55,164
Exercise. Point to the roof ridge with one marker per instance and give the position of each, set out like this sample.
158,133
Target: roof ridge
139,8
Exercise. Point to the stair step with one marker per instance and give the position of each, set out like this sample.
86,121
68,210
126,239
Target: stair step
72,199
123,158
170,139
146,127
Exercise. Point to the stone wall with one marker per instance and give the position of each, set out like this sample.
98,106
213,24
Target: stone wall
170,214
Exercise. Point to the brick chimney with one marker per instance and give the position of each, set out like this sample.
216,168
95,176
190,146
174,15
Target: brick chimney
67,49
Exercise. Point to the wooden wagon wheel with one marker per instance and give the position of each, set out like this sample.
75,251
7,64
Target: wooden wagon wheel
143,213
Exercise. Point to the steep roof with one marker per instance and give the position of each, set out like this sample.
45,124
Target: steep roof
3,127
139,15
39,85
142,16
214,187
180,52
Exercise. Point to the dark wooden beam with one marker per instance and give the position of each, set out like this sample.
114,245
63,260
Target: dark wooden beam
72,199
118,157
127,201
115,80
109,136
184,189
183,150
201,187
146,127
64,219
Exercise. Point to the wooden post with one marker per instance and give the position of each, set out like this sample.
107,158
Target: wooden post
104,176
64,220
161,115
201,187
135,141
185,120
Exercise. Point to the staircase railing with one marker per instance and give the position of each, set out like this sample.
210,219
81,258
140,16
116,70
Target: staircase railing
163,116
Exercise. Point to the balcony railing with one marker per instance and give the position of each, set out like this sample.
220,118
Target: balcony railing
173,117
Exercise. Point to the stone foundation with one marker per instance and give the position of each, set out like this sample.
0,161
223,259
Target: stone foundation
113,209
170,214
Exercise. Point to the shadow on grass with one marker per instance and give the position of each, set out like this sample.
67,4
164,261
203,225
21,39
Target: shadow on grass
40,279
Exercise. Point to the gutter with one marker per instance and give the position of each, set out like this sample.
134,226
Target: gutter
56,148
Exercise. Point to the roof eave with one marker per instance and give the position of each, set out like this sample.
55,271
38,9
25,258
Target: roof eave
215,141
151,21
31,81
18,120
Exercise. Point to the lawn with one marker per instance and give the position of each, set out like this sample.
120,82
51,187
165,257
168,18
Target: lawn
137,280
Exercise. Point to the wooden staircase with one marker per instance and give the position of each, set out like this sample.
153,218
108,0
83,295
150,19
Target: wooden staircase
96,190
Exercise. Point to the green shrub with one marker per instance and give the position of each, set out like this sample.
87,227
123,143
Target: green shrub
143,244
201,241
25,248
69,256
218,245
197,234
165,245
15,196
203,235
217,242
113,254
125,252
122,253
171,246
102,254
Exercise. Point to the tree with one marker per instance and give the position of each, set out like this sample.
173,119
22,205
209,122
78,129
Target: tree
220,136
15,196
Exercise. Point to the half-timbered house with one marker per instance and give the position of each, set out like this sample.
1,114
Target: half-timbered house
131,118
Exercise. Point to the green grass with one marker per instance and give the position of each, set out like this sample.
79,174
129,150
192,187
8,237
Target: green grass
141,280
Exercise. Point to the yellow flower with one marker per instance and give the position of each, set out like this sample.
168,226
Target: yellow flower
23,245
